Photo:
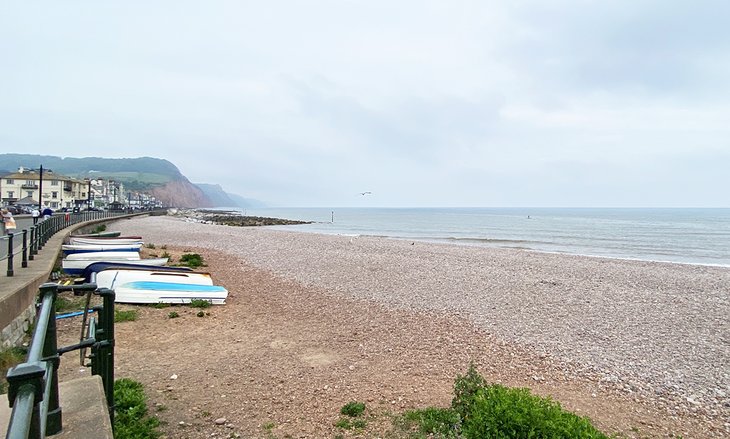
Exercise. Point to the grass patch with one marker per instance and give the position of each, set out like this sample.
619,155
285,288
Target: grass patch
131,420
160,305
167,255
433,421
353,409
100,228
64,304
483,410
192,260
125,316
173,315
150,245
200,303
351,424
10,357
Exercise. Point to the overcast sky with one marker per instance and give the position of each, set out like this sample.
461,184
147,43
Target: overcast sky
423,103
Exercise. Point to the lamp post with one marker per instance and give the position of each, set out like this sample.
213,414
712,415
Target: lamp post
40,190
88,196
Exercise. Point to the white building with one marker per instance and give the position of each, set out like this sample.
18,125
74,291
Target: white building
59,191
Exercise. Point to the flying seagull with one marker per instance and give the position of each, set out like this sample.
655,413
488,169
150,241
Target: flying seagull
366,193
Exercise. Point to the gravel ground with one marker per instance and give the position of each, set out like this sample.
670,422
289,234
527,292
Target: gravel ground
652,333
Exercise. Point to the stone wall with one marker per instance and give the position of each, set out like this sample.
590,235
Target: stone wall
12,335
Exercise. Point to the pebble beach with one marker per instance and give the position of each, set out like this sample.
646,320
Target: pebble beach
654,333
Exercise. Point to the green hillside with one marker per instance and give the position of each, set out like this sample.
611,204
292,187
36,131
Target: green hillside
136,173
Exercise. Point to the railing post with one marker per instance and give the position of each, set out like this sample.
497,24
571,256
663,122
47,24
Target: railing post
105,352
24,262
10,255
42,234
50,354
33,244
26,380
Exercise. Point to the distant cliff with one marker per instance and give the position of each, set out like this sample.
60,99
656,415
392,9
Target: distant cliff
216,195
181,193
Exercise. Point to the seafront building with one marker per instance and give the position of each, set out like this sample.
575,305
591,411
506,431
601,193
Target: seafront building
23,188
58,191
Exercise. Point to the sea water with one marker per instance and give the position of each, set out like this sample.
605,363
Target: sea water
696,236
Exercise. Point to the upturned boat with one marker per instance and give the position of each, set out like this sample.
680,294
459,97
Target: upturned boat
77,267
87,248
127,240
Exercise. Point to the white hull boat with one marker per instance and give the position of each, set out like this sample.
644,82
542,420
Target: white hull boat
88,248
113,277
77,267
103,256
106,241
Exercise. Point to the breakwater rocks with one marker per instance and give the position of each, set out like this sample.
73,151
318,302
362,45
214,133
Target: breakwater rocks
229,218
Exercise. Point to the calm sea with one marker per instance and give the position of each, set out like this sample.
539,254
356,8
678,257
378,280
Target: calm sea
697,236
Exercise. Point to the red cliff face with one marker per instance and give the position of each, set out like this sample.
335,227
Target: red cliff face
181,193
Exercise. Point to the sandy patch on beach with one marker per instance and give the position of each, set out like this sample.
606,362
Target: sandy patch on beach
314,322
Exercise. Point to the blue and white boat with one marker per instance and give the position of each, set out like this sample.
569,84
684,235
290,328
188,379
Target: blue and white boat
168,292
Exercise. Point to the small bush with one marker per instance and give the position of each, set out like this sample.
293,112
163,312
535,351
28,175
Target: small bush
100,228
499,411
125,316
173,315
482,410
192,260
150,245
353,409
164,247
130,406
465,390
200,303
201,314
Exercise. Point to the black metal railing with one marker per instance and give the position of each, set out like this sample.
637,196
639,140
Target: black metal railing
26,244
33,385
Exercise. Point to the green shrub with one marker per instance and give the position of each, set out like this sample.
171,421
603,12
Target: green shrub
353,409
100,228
200,303
503,412
192,260
481,410
173,315
465,389
160,305
150,245
130,407
125,316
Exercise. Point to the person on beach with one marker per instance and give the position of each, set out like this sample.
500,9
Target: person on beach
35,214
8,221
47,212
